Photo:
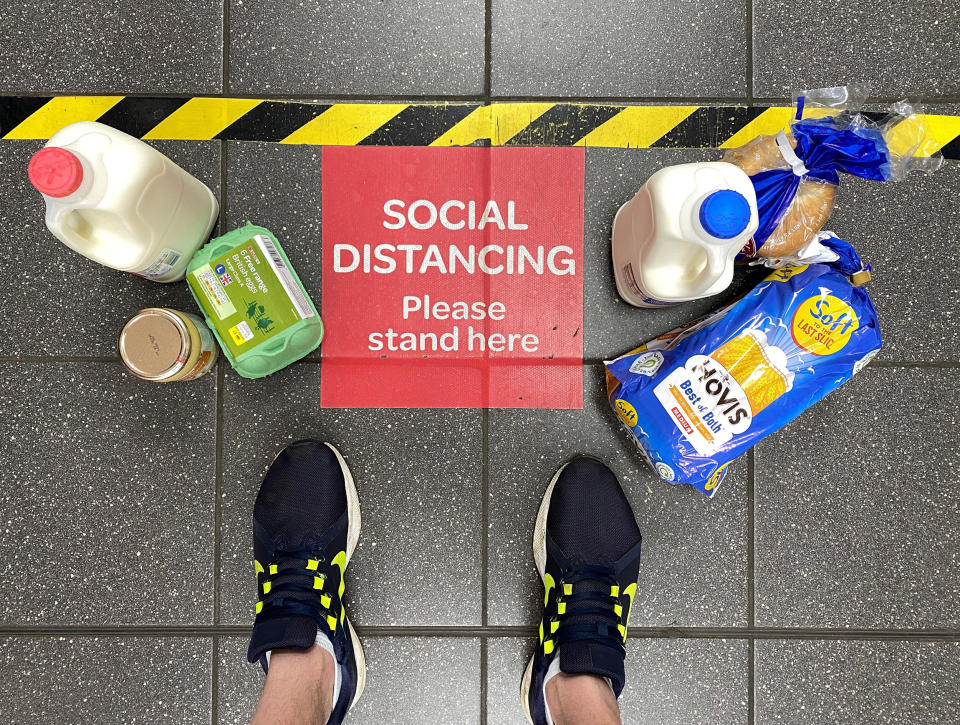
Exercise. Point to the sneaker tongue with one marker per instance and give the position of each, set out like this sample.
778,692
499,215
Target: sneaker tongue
294,631
574,608
589,658
584,657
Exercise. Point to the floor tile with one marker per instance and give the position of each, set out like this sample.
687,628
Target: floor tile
898,49
632,49
104,46
409,680
804,682
418,473
693,565
507,659
678,681
611,326
367,47
75,306
857,511
79,680
908,231
239,683
669,681
106,496
278,187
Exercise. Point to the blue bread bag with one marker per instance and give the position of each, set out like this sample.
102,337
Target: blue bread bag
795,173
697,398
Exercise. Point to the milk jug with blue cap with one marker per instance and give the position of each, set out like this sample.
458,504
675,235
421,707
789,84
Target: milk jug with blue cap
120,202
677,239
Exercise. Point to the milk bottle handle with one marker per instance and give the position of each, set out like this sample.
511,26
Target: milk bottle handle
716,266
84,245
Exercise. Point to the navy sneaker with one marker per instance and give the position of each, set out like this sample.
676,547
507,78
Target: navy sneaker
306,522
587,548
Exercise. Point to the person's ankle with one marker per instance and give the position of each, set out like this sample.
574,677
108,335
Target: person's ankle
308,670
580,699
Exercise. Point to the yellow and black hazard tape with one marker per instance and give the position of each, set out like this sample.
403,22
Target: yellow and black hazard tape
416,124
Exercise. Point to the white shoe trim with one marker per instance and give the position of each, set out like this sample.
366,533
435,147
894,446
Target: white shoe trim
323,642
353,503
353,536
552,671
540,557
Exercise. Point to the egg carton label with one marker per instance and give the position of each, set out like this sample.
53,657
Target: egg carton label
250,294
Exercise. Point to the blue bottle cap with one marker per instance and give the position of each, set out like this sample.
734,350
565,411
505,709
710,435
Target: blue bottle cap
725,214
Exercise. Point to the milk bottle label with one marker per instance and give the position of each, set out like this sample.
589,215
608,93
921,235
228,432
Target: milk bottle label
161,266
631,280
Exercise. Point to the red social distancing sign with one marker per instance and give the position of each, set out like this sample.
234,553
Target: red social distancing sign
452,277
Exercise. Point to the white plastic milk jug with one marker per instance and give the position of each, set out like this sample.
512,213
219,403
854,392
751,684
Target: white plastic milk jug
676,240
120,202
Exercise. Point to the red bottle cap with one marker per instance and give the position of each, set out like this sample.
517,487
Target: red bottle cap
55,171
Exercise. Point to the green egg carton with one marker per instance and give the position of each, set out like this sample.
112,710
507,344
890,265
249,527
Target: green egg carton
253,301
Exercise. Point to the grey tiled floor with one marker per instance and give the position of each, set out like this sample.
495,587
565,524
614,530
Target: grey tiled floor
371,47
897,48
820,585
106,46
631,48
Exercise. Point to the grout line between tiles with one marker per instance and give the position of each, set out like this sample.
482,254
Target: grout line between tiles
751,580
749,53
59,359
483,681
225,81
215,689
484,512
751,527
487,48
484,553
481,97
421,98
473,632
40,359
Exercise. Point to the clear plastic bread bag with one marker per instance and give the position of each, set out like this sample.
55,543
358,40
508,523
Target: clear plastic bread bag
796,172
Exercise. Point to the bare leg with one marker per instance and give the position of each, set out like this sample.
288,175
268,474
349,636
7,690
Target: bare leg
299,688
581,700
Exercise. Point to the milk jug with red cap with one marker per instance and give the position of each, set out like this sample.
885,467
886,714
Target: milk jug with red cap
120,202
677,239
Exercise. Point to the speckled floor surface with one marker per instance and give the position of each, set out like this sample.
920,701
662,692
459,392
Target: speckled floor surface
821,585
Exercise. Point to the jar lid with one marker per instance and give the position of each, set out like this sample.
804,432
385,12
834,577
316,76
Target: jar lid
154,344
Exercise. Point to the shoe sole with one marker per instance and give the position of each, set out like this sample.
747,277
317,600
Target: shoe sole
353,536
540,557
